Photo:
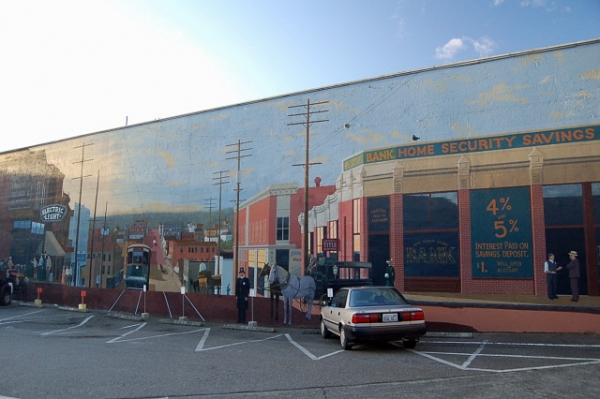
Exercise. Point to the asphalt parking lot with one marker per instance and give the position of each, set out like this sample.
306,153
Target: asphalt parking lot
57,353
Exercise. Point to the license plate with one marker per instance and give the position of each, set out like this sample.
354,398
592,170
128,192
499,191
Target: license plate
390,317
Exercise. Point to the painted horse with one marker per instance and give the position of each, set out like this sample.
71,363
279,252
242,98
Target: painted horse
274,289
292,288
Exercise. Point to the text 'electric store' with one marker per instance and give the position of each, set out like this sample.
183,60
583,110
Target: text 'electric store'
475,215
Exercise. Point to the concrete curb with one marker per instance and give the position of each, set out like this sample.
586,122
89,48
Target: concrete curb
182,322
247,328
125,316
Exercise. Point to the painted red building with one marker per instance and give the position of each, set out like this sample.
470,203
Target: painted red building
270,228
190,249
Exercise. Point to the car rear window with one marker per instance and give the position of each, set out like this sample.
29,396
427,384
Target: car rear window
375,297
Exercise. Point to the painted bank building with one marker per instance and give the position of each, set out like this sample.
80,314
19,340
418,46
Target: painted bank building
463,175
472,215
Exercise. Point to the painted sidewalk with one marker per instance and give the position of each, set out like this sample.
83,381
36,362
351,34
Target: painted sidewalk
509,313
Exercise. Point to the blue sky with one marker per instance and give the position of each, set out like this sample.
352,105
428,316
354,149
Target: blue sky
76,67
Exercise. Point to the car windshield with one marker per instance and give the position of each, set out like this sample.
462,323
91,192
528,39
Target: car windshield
375,297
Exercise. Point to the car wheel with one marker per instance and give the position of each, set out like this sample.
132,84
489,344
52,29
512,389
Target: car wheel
410,343
5,299
324,331
344,340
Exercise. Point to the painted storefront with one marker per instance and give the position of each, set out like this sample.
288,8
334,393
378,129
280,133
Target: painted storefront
476,216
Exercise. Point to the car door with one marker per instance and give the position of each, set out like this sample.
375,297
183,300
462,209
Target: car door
333,313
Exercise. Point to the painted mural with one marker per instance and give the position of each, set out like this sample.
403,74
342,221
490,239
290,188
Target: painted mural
178,165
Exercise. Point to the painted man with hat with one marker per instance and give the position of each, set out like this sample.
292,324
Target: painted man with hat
242,290
573,268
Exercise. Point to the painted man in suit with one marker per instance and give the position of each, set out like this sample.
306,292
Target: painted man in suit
550,268
573,268
242,290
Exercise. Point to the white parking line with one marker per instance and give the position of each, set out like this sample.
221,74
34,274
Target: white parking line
127,333
569,361
70,328
474,355
200,347
307,352
19,316
131,326
514,344
120,339
10,322
202,341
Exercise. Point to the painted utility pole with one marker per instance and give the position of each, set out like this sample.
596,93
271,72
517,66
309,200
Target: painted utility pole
239,157
93,228
307,122
209,204
81,176
222,177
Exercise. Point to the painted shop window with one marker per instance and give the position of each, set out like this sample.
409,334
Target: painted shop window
283,228
378,212
596,200
321,232
430,211
332,232
332,229
356,222
563,205
564,218
431,235
378,225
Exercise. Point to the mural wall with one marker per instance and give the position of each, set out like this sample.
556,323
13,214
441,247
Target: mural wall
174,165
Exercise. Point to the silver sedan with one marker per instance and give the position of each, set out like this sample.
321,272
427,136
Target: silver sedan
359,314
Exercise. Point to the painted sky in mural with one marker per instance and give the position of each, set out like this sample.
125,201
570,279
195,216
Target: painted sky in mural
171,164
74,67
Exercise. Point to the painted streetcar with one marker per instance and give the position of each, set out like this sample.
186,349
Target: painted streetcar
137,267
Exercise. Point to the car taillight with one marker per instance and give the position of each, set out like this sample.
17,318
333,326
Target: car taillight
365,318
414,316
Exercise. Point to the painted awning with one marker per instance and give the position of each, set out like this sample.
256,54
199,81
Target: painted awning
51,245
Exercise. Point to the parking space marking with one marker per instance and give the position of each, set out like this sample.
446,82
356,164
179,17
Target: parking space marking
10,322
139,327
69,328
120,339
12,319
474,355
200,347
307,352
465,366
593,346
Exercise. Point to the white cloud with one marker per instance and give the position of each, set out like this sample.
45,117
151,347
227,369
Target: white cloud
548,5
533,3
484,46
449,50
498,2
